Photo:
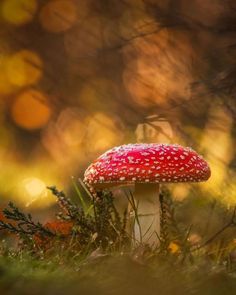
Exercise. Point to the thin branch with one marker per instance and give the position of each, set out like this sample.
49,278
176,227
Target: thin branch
232,222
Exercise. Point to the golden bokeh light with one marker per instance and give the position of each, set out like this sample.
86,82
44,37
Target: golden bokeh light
103,132
18,12
25,183
24,68
34,187
229,189
174,248
71,127
64,140
31,110
218,146
141,93
59,15
180,191
33,193
154,78
5,86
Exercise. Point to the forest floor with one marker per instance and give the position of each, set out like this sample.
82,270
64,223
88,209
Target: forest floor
22,274
87,251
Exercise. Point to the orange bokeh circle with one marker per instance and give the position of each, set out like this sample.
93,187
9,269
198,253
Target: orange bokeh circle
31,110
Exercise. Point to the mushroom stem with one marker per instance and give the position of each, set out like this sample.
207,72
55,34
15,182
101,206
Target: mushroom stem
146,228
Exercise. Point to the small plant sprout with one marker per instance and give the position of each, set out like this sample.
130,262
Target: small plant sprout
146,166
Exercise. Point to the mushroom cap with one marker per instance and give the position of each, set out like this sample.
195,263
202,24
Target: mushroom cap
147,163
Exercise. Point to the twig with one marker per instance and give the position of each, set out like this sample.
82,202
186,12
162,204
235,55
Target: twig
212,238
24,223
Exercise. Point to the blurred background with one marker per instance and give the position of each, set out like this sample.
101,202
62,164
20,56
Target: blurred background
78,77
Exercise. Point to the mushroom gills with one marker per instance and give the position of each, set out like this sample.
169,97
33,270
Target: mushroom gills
146,220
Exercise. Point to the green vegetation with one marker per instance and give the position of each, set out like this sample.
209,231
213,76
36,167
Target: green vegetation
94,254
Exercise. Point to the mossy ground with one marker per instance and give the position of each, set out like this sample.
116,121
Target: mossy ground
20,273
97,257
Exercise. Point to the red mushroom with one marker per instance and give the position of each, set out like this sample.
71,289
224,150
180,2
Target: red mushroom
147,165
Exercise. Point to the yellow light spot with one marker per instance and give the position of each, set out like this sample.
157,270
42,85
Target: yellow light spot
58,16
5,86
180,191
33,192
31,110
173,248
18,12
34,187
24,68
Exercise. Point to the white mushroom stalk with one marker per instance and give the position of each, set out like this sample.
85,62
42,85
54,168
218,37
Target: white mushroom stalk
147,218
146,166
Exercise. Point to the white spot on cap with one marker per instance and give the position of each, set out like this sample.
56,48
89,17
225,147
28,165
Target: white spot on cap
144,154
130,159
122,178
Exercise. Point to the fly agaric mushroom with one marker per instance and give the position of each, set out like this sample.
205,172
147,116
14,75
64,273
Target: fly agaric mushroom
146,166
